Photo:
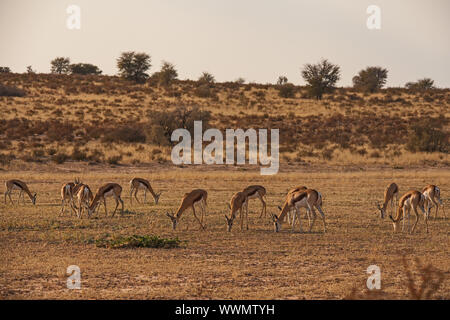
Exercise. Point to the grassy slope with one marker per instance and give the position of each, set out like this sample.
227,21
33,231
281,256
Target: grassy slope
347,128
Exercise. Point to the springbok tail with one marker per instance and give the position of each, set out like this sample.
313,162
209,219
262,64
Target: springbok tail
319,200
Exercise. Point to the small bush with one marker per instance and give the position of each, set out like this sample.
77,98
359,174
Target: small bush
51,151
78,155
114,159
6,91
5,70
286,90
427,138
38,153
5,159
96,156
375,154
204,91
137,241
60,157
124,134
84,69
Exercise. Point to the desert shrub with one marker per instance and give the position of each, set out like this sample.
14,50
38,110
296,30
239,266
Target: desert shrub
137,241
51,151
5,159
239,81
282,80
327,154
60,157
375,154
5,144
96,156
124,134
204,91
84,69
427,137
38,153
78,155
162,124
206,78
114,159
286,90
321,77
7,91
5,70
133,66
420,85
60,131
370,79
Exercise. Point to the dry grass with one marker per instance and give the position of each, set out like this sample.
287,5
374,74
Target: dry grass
37,246
347,127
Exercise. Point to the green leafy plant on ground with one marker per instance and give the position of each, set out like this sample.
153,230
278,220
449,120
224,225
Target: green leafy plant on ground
137,241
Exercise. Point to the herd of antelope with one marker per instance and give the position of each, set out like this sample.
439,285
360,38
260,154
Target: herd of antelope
79,197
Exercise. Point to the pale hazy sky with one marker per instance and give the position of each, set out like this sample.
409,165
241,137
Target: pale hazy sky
254,39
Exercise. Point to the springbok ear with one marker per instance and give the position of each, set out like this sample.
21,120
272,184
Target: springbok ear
226,217
229,207
279,207
169,215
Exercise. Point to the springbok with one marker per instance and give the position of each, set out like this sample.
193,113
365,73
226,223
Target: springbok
308,199
22,186
107,190
84,196
411,199
139,183
291,213
257,191
68,192
237,202
390,193
189,200
433,194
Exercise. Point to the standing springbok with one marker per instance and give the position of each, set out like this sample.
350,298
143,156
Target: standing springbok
237,202
107,190
68,192
252,192
411,199
22,186
139,183
433,194
197,196
308,199
84,196
390,193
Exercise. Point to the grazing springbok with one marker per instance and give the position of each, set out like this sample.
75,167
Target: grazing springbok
107,190
189,200
433,194
390,193
139,183
237,202
308,199
411,199
84,196
252,192
68,192
291,213
22,186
